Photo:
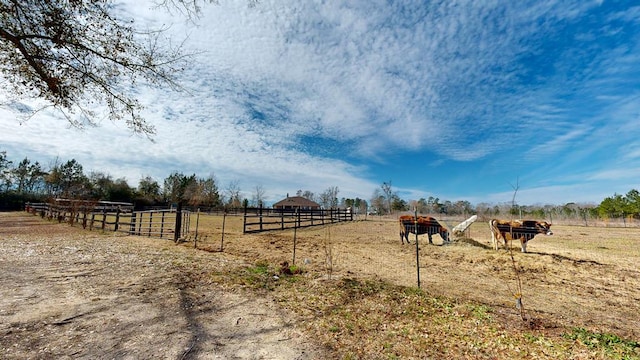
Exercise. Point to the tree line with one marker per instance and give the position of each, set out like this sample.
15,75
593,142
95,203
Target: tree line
29,180
385,200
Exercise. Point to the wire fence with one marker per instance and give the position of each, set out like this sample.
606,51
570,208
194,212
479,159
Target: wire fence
369,246
338,247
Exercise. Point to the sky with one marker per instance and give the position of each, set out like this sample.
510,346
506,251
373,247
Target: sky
456,100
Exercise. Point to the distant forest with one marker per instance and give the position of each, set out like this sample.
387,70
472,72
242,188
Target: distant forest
27,180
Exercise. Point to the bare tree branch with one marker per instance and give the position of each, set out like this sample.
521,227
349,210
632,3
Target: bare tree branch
77,56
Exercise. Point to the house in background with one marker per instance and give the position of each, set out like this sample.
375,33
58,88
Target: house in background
296,202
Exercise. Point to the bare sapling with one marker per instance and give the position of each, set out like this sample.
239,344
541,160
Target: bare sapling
518,293
328,252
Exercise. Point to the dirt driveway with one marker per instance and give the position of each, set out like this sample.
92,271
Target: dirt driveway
103,296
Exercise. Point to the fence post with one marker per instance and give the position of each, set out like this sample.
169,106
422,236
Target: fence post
115,227
260,213
151,222
244,221
224,220
282,219
161,226
104,217
197,222
417,248
178,228
294,242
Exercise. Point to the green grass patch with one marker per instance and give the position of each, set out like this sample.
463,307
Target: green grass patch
611,345
262,275
259,268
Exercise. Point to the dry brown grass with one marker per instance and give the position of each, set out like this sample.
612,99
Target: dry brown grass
580,288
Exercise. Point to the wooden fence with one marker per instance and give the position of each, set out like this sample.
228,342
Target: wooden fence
106,217
267,219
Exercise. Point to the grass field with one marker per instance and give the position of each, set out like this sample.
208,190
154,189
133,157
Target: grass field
577,287
352,287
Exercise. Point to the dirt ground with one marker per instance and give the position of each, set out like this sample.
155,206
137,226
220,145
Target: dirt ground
105,296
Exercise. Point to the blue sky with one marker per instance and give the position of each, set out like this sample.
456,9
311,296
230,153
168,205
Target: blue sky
460,100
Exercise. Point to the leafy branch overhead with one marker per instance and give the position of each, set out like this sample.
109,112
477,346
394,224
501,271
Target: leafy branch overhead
79,56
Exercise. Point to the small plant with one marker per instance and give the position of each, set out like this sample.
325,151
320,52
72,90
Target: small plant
413,291
480,312
286,269
260,267
260,275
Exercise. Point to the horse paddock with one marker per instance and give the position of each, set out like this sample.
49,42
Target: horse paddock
72,293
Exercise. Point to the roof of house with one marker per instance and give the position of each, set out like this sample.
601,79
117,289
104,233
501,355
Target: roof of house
296,201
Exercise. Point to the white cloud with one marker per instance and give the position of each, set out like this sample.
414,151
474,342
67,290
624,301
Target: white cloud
304,95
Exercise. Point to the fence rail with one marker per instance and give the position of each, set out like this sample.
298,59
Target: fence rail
159,223
267,219
152,223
